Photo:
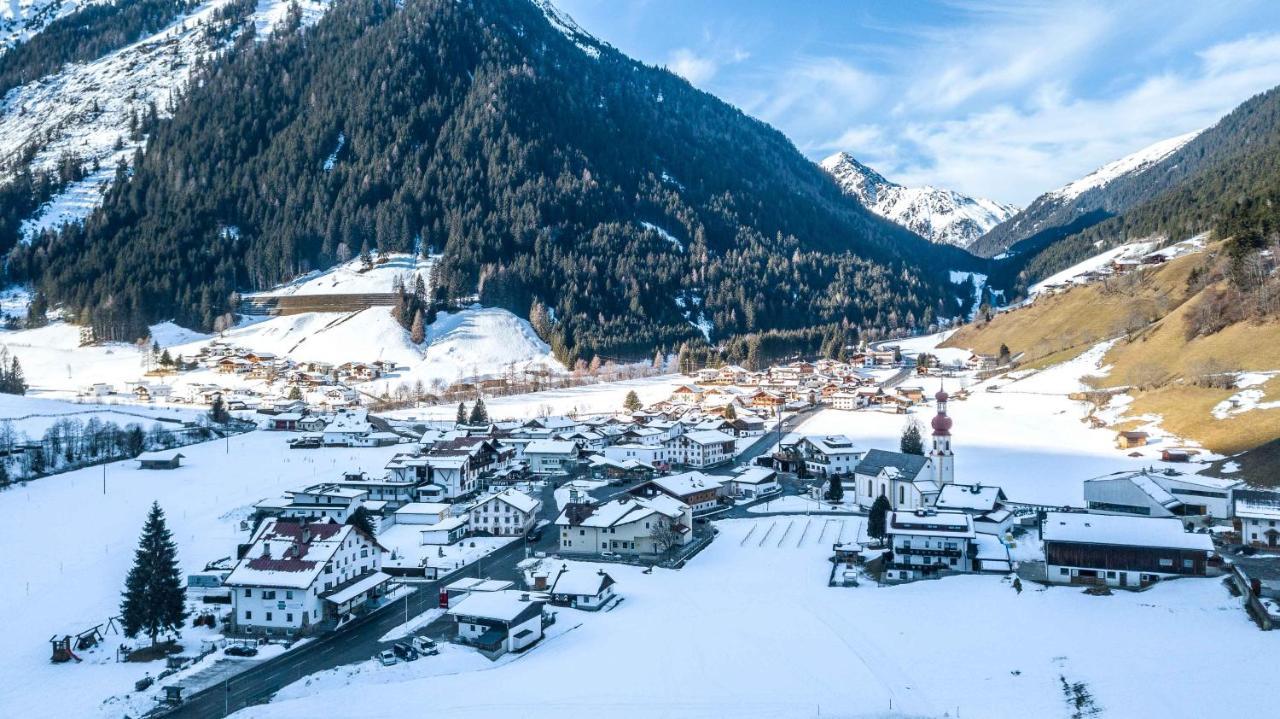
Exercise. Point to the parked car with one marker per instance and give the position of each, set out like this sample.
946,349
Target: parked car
610,555
386,657
404,651
425,645
241,650
533,536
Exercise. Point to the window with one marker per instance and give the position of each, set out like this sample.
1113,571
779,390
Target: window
1063,571
268,616
902,494
248,615
288,594
1188,564
249,592
1166,562
269,595
288,618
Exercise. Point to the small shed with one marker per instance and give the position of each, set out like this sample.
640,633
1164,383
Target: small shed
1129,440
168,459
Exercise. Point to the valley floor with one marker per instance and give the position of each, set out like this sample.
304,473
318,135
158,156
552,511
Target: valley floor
750,629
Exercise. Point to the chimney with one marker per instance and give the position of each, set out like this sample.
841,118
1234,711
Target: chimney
524,596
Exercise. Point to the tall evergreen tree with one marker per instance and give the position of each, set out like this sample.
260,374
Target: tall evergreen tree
632,402
218,410
877,519
479,415
154,599
362,521
730,413
911,442
462,414
835,490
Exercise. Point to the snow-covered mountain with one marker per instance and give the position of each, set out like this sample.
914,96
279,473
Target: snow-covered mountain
84,109
21,19
1129,164
937,214
1106,191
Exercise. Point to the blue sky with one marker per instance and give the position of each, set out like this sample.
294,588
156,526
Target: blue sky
1003,100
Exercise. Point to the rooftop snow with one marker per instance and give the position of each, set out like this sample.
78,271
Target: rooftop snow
1122,531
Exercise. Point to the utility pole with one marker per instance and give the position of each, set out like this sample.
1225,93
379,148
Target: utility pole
104,477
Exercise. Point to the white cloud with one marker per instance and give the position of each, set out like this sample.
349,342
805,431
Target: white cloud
1014,153
695,68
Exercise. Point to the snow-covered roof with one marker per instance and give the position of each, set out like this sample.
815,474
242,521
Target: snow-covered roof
707,436
1257,508
514,497
423,508
447,524
833,444
504,606
945,524
625,511
756,475
289,554
159,456
355,588
686,483
550,446
969,496
581,582
476,584
1122,531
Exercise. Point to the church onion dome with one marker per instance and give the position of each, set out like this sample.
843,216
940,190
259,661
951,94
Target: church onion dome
941,423
941,396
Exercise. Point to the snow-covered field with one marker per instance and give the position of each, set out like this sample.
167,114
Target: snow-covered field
351,278
32,416
586,399
70,547
750,629
1024,436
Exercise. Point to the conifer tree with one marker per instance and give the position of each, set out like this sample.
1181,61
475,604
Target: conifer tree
154,600
479,415
730,413
911,442
218,410
877,519
294,393
835,491
632,402
361,520
418,333
462,414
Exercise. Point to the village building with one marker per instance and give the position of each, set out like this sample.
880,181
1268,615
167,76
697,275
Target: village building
1160,493
1130,440
753,482
552,457
650,455
906,480
1257,518
631,526
326,501
582,589
295,576
1120,551
695,489
446,531
829,455
496,623
509,513
985,504
927,543
422,513
705,448
160,459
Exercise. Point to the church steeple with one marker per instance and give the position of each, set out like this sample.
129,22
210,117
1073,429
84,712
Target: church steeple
943,460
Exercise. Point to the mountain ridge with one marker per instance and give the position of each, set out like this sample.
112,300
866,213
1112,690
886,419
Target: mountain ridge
937,214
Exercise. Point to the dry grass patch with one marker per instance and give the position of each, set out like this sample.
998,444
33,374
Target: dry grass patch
1187,411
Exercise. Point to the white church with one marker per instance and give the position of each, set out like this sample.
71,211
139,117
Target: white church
909,481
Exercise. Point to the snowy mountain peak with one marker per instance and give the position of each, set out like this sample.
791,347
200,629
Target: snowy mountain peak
937,214
1137,162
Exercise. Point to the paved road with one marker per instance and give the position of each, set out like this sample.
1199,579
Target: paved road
358,640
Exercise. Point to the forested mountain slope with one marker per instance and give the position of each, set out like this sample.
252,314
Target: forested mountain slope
1191,190
548,168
